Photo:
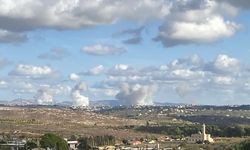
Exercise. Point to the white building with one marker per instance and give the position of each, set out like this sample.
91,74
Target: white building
200,137
72,145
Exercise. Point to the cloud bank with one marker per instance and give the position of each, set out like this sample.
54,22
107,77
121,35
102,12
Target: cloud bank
196,22
223,79
31,71
181,20
103,49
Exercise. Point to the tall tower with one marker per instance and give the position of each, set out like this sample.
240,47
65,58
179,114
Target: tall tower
204,132
203,128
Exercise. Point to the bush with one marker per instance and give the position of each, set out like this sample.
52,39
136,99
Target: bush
245,145
86,143
50,140
30,145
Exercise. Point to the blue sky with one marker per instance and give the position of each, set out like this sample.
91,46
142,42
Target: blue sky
167,51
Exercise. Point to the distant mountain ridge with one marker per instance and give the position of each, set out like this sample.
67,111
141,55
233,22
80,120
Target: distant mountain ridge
18,102
105,103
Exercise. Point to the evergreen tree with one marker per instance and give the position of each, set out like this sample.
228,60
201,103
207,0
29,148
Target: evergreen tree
53,141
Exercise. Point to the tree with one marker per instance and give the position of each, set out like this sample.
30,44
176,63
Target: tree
125,142
88,142
30,145
245,145
2,142
83,144
53,141
73,138
183,144
5,148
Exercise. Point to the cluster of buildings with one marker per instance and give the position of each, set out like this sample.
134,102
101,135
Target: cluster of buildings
201,137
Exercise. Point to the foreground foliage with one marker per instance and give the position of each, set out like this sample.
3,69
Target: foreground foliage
88,142
187,130
245,145
50,140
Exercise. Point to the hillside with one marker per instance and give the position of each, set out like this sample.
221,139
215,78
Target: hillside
35,121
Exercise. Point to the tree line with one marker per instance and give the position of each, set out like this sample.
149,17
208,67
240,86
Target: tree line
187,130
88,142
56,142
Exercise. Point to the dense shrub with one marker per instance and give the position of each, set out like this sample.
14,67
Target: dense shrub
50,140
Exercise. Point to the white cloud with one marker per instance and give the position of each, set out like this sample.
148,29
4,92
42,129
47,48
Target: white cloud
3,84
22,87
179,17
223,80
71,14
187,74
211,30
188,79
191,61
102,49
224,62
196,23
121,67
121,70
74,77
97,70
61,89
31,71
11,37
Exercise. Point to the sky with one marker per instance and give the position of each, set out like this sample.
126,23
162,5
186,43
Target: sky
136,52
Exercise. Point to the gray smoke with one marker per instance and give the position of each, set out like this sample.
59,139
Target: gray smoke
44,97
77,97
135,94
183,89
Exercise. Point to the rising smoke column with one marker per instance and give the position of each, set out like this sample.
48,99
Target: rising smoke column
183,90
135,94
44,97
77,97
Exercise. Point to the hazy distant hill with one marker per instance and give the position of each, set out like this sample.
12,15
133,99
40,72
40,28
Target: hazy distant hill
112,103
167,104
21,102
3,102
105,103
64,103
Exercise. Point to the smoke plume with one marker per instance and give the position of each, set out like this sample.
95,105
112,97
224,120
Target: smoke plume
135,94
44,97
183,89
77,97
